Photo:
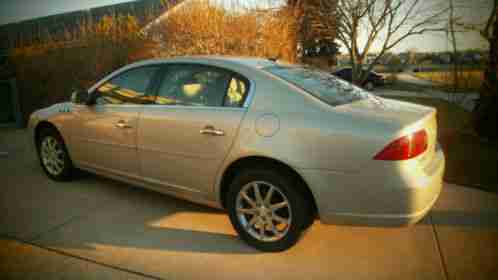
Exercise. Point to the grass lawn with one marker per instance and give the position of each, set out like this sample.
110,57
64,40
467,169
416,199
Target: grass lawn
406,86
470,160
467,80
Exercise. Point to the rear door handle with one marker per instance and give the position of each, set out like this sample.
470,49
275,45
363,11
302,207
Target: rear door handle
122,124
210,130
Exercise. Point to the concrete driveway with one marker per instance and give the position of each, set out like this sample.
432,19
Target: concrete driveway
98,228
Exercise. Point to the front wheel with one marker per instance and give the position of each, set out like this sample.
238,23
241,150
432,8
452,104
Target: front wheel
53,155
266,210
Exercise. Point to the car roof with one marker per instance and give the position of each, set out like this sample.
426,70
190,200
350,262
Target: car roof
251,62
235,63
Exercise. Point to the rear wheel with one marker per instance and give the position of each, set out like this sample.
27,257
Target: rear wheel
266,209
369,86
53,155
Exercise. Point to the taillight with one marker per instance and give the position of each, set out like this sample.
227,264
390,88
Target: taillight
406,147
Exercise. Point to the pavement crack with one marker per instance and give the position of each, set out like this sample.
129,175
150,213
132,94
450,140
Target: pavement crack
86,213
56,227
438,247
69,255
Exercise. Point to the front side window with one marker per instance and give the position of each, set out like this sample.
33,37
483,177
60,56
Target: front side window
200,85
322,85
129,87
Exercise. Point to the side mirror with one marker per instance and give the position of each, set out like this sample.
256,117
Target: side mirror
80,97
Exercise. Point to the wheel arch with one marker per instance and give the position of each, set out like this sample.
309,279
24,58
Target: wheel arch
250,161
42,125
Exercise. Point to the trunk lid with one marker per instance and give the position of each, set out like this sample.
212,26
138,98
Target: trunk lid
399,118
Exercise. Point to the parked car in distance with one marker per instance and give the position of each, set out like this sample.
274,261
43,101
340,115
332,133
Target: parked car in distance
373,79
274,144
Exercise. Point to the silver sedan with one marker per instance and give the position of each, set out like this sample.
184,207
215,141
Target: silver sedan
276,145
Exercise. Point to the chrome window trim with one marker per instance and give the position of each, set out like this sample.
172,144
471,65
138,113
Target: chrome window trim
223,108
246,104
119,105
120,71
250,94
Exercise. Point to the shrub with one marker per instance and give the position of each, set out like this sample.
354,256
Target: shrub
205,28
47,72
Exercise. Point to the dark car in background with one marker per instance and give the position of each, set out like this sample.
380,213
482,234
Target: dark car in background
373,79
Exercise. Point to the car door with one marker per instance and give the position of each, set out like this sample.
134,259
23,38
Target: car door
106,132
184,138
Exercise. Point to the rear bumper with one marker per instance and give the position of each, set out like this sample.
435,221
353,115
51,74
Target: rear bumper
353,199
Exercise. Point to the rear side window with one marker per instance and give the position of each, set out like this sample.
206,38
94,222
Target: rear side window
236,93
322,85
201,85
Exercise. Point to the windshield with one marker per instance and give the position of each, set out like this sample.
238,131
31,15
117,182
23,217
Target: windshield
322,85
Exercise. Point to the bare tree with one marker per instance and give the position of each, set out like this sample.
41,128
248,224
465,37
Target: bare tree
451,30
204,27
490,33
484,28
458,24
316,21
485,114
412,56
364,23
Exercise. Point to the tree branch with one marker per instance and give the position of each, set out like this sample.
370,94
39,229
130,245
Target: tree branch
485,32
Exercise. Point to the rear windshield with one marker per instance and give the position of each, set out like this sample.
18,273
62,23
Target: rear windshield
322,85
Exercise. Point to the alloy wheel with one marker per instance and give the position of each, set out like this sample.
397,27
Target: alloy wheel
263,211
52,154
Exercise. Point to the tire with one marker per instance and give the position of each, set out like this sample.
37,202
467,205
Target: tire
369,86
53,156
277,235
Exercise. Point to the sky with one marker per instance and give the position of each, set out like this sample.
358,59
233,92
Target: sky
17,10
468,11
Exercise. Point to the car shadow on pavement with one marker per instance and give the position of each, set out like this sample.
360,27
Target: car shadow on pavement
142,219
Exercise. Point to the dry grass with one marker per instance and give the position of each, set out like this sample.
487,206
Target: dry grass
205,28
47,72
467,80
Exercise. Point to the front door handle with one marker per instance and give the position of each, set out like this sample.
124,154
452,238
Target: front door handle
122,124
210,130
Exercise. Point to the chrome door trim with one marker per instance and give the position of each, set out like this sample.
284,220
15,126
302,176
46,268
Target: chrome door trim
109,144
175,153
250,94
